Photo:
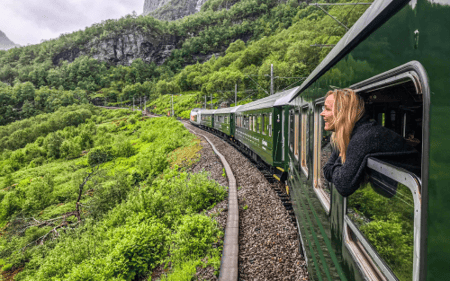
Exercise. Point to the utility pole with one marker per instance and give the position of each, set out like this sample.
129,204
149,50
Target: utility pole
133,103
235,94
205,102
145,103
271,79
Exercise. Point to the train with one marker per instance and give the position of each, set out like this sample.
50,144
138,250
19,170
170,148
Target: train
395,57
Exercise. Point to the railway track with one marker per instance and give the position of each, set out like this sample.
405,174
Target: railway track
268,245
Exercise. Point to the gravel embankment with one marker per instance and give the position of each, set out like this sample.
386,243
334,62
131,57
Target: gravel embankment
268,242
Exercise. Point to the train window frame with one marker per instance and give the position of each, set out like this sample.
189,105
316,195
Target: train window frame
303,140
410,72
291,130
324,197
369,261
296,134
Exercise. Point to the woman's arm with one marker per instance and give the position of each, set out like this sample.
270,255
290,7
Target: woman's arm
347,177
328,168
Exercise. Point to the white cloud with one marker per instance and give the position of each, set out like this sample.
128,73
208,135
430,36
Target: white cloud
30,21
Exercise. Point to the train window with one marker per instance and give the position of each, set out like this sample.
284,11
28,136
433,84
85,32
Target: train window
270,125
304,140
383,217
322,151
254,123
291,130
263,124
296,133
258,123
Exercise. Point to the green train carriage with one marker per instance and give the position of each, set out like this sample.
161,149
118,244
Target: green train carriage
206,119
394,227
224,121
261,130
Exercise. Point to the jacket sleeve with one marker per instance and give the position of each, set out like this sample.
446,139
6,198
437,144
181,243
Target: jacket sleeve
328,168
347,177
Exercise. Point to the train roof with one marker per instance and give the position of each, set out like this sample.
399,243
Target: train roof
207,111
277,99
373,17
227,109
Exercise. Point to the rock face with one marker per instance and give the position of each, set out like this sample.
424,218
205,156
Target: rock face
123,49
5,43
172,9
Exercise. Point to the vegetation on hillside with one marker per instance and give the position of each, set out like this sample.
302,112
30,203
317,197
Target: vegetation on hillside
255,34
101,194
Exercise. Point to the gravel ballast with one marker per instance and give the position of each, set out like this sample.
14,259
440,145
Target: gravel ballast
268,239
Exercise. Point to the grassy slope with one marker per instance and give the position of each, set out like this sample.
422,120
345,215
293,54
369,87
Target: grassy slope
125,206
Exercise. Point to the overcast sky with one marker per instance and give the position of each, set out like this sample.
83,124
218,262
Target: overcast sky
29,21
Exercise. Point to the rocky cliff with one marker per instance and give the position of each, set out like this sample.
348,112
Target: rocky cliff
5,43
172,9
123,48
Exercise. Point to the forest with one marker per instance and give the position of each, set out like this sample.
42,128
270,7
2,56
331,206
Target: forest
251,35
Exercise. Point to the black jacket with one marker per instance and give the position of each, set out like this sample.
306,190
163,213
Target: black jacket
368,140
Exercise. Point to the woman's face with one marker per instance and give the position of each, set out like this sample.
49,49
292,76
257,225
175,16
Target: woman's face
327,113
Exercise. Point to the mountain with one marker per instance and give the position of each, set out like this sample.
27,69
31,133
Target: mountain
172,9
5,43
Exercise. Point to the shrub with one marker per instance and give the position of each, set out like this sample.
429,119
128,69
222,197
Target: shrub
100,155
125,149
194,237
137,249
70,149
52,144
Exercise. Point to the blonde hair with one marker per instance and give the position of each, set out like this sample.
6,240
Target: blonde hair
348,109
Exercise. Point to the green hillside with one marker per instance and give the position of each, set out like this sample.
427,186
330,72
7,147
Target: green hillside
250,36
86,196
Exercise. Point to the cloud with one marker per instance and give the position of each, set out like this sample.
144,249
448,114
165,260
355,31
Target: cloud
30,21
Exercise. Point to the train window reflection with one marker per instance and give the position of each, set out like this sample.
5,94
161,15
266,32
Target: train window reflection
383,211
322,151
291,130
304,140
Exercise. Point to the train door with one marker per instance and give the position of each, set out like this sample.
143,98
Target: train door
385,219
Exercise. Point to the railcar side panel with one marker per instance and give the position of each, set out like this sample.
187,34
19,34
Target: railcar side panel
253,138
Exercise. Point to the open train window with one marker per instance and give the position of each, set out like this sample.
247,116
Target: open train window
383,217
321,152
304,140
296,133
